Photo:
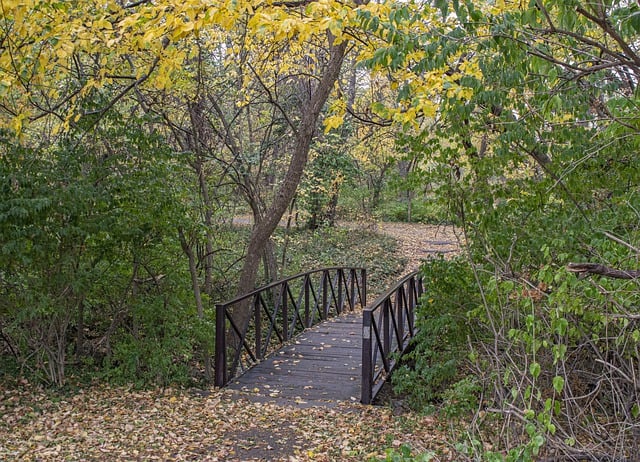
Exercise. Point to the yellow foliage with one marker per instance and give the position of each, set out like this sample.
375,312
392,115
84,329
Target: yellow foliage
156,43
332,122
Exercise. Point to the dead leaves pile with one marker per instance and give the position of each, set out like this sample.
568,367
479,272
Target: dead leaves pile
418,242
110,423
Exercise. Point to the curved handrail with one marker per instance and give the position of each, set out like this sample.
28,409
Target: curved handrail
287,279
388,324
291,305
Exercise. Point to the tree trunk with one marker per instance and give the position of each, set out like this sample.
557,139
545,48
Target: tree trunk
263,229
195,285
596,268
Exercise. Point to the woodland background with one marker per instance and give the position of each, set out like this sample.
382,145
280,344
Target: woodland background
133,132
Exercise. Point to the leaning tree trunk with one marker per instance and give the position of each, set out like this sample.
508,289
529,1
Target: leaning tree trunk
601,270
263,229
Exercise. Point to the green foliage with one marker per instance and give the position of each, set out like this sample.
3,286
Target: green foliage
528,452
425,210
89,255
404,454
330,169
461,398
535,169
309,249
440,348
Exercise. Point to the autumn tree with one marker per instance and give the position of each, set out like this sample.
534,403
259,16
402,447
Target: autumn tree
534,165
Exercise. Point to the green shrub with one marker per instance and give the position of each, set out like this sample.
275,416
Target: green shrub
404,454
440,348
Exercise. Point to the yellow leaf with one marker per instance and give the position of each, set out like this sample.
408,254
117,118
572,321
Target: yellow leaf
16,123
332,122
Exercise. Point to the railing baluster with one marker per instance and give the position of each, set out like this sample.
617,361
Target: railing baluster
285,313
307,308
400,318
366,388
258,320
352,288
412,302
325,292
389,334
340,302
386,334
363,289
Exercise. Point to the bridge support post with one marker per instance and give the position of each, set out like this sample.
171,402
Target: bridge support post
220,361
386,327
363,294
366,386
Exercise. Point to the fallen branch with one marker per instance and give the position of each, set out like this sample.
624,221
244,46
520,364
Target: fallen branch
596,268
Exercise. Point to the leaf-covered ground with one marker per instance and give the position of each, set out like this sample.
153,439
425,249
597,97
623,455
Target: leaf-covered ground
417,242
111,423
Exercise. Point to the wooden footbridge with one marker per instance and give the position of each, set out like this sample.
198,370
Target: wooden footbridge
312,337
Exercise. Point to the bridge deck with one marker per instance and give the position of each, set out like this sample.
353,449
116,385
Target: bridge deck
322,364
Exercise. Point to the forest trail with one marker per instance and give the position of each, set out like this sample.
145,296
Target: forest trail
416,241
217,425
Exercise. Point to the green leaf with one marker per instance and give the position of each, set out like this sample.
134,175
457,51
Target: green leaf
534,369
558,383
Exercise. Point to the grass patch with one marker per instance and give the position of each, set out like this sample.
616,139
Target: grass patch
325,247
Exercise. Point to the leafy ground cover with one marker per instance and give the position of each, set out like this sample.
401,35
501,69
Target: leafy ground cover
114,423
417,242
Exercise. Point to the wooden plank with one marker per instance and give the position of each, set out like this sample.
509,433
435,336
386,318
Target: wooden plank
322,364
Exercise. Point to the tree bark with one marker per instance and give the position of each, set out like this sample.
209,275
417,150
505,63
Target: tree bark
264,228
195,285
596,268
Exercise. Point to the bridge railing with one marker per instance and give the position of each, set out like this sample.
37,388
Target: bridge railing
279,312
387,327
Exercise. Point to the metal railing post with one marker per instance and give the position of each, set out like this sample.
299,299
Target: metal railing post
307,308
340,303
325,293
386,331
258,322
220,361
363,295
412,305
366,386
285,312
400,307
352,289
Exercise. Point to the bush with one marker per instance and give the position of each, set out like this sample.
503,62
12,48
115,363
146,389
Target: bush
439,350
427,211
89,258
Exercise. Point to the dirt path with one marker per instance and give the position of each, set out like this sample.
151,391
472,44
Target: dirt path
417,241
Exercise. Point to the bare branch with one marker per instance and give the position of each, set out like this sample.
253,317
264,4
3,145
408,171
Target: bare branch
596,268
